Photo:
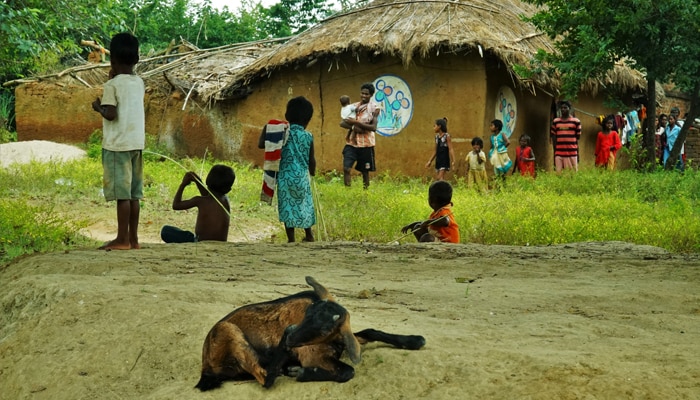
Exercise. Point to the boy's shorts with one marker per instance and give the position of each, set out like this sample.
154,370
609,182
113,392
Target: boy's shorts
365,159
361,157
123,175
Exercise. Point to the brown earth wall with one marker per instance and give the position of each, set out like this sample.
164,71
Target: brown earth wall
57,112
458,96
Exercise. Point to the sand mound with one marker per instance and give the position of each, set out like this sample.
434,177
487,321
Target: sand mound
578,321
37,150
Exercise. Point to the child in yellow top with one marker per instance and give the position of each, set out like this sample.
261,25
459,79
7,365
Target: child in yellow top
476,166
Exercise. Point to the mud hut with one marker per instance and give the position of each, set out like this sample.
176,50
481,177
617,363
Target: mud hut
428,60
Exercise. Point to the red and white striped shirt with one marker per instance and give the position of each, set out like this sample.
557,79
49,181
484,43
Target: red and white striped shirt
565,134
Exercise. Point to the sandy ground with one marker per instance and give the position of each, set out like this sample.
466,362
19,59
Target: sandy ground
37,150
579,321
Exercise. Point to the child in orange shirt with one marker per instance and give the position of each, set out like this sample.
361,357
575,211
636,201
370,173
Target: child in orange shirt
607,144
524,158
441,225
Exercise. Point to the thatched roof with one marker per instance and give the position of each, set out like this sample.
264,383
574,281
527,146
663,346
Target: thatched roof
417,28
407,29
197,73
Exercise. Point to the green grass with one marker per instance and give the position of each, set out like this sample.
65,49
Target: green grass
43,207
659,209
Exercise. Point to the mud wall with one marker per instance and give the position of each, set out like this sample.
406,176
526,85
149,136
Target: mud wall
463,88
457,87
56,112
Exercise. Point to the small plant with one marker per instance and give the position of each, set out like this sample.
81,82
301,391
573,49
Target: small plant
7,117
93,147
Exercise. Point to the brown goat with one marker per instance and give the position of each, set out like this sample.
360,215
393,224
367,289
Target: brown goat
302,335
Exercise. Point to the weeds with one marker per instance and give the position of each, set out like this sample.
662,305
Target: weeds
7,116
45,206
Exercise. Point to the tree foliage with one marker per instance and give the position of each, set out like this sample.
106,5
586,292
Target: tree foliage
658,38
35,35
40,35
294,16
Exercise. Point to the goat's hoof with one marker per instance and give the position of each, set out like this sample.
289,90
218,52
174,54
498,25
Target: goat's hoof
295,371
269,381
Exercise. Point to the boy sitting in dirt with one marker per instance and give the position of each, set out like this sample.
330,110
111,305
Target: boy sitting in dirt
213,216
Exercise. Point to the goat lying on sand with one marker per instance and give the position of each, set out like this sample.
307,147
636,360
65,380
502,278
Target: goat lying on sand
302,335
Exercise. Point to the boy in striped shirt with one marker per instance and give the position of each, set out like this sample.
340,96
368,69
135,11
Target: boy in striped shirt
565,133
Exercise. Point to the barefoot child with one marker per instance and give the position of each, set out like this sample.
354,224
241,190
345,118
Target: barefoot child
123,139
498,155
607,144
444,155
213,208
441,226
476,166
524,158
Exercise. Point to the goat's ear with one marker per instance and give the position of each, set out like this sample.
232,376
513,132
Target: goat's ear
351,343
321,291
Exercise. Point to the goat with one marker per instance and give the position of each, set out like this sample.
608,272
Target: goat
302,335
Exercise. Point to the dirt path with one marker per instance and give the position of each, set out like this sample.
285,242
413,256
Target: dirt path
579,321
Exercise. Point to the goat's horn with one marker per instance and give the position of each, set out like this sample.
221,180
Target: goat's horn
336,317
351,344
321,291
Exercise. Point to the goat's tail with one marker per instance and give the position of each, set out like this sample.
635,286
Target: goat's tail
208,382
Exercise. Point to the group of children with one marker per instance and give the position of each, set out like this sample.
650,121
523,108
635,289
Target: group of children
124,139
607,145
476,159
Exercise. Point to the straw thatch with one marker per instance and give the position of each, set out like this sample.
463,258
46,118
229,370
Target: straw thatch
200,73
418,28
407,29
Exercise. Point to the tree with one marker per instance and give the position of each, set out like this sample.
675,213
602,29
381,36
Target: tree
36,34
658,38
295,16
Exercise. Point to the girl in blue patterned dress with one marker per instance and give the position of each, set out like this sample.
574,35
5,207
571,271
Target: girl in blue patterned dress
294,200
498,155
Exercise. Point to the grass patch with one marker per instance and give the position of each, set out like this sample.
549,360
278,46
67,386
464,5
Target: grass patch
44,206
654,209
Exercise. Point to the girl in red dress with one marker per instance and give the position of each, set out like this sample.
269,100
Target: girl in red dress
524,157
607,144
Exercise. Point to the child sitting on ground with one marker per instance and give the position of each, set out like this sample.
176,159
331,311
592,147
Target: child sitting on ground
213,216
441,226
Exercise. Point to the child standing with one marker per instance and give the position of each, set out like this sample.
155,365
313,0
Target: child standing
213,208
444,155
124,136
524,157
660,138
498,155
295,204
607,144
476,166
441,225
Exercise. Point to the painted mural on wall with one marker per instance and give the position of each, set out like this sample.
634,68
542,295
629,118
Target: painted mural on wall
394,96
506,109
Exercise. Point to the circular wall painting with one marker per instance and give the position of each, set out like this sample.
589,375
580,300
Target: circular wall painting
506,109
396,104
